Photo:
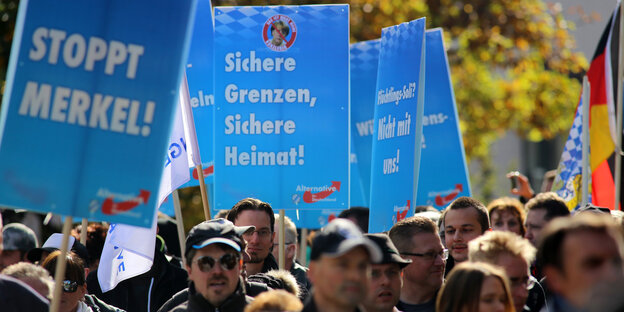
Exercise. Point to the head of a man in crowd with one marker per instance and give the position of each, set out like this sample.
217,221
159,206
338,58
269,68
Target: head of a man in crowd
33,275
416,238
358,215
213,258
540,210
512,253
580,253
464,220
18,240
53,243
254,212
340,266
290,241
384,290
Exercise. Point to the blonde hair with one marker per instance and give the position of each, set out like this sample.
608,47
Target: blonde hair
275,301
462,290
488,247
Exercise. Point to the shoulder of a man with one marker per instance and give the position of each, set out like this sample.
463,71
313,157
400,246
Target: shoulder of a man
17,296
177,299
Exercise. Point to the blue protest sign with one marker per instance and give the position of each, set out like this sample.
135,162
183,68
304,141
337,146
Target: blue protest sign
311,219
364,60
398,124
199,72
443,172
91,91
282,106
356,190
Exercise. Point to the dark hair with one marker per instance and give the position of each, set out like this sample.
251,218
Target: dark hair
251,204
468,202
358,213
550,247
284,29
74,270
96,236
402,232
554,205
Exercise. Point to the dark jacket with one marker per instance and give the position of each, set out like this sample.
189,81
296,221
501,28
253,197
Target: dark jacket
269,264
301,275
98,305
16,296
133,295
251,288
236,302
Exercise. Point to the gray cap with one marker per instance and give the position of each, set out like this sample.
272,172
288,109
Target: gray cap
19,237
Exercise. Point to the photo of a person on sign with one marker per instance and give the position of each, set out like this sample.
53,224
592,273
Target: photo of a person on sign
279,31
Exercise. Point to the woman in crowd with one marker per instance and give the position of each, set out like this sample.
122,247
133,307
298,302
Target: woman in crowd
74,297
507,214
475,287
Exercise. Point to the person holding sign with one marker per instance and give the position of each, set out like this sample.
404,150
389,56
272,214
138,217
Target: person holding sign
214,264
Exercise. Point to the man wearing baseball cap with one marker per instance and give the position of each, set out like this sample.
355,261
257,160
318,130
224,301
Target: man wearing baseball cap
384,290
340,267
214,263
18,240
54,243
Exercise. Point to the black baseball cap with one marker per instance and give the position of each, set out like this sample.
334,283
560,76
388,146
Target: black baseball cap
54,243
389,252
216,231
339,237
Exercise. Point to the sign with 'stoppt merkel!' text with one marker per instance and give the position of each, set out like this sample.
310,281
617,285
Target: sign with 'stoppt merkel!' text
91,91
443,171
282,106
397,124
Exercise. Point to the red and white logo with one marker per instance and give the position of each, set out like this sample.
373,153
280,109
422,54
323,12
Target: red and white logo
279,32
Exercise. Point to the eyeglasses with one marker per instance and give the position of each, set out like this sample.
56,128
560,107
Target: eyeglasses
227,262
69,286
526,282
444,253
264,233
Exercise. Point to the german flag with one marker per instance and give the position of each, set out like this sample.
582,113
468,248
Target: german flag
602,75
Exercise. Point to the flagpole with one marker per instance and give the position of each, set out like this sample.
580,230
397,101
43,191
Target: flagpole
303,247
187,113
585,149
618,129
83,231
59,272
282,258
179,224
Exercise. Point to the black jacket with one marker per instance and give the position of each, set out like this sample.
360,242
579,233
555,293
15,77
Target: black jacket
236,302
269,264
16,296
251,288
98,305
134,294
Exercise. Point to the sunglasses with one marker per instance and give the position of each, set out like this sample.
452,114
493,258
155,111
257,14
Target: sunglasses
227,262
69,286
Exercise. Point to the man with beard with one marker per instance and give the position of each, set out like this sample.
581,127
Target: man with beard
464,220
214,264
254,212
340,268
417,239
386,278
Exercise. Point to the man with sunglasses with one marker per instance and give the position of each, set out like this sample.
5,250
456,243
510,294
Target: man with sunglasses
514,254
214,263
386,278
417,239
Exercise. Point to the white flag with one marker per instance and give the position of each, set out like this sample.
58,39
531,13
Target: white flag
129,250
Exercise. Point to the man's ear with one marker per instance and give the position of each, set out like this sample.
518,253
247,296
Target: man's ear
554,277
291,250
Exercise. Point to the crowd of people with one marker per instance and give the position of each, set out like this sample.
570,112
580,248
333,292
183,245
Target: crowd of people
508,256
